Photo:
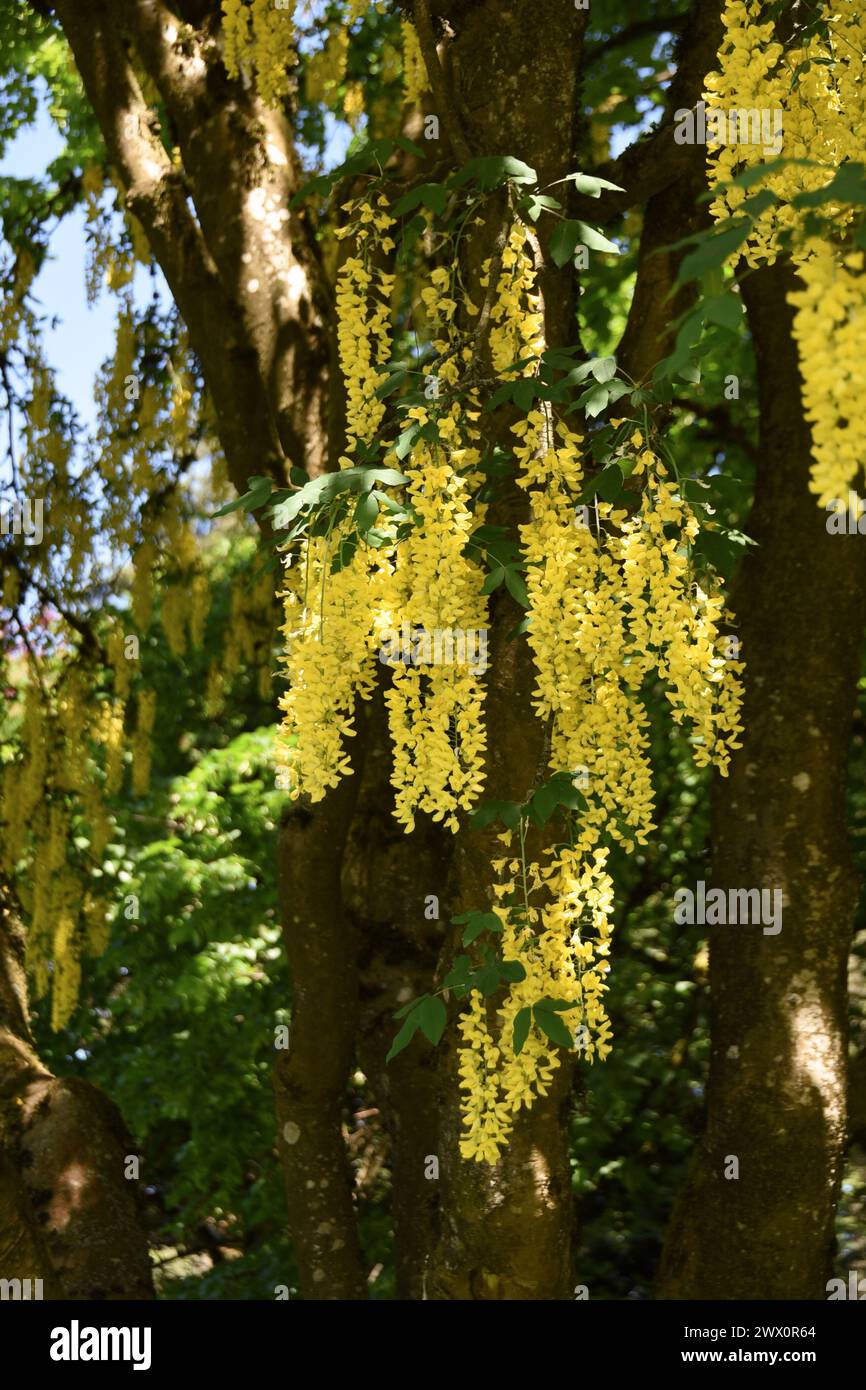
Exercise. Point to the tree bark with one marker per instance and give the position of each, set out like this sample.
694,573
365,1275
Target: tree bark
68,1215
388,877
310,1078
776,1096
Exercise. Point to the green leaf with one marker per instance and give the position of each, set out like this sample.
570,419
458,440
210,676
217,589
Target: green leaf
257,494
516,587
848,185
404,143
559,791
487,980
407,439
524,393
713,252
534,204
477,923
412,231
522,1025
377,538
610,483
458,975
432,1016
327,486
344,554
431,195
509,814
552,1026
603,368
595,240
490,171
501,395
758,203
747,178
506,811
493,580
589,184
580,373
366,512
391,383
372,152
405,1035
512,971
564,241
481,817
616,390
560,358
407,1008
427,1013
594,400
544,802
723,550
725,310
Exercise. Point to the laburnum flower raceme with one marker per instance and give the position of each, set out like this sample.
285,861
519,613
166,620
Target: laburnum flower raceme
612,600
81,717
814,81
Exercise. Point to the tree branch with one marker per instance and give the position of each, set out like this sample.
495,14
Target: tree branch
655,161
243,172
439,84
156,194
638,29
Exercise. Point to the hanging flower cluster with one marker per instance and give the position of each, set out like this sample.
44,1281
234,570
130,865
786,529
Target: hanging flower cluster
815,89
435,710
806,97
517,334
330,613
830,331
415,82
562,948
364,291
76,723
259,36
49,797
326,69
338,618
330,661
609,603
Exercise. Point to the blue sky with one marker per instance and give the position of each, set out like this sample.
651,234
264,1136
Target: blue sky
84,334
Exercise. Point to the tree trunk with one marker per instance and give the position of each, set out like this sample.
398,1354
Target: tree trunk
505,1229
68,1214
310,1078
390,881
776,1097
